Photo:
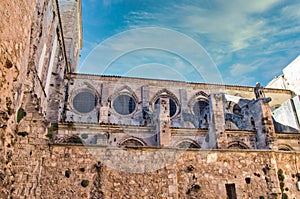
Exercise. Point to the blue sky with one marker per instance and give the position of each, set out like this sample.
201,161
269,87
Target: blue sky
216,41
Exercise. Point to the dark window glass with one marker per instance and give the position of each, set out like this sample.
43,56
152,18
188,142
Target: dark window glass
84,102
199,106
124,104
172,104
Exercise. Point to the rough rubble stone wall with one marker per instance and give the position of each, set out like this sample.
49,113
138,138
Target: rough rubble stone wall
23,143
30,168
15,27
194,174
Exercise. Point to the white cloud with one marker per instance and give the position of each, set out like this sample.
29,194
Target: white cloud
241,69
226,21
291,11
157,39
244,35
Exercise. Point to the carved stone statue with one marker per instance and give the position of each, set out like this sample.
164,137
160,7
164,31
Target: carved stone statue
259,91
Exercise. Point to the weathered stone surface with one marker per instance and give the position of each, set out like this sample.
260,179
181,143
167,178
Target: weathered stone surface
175,180
34,57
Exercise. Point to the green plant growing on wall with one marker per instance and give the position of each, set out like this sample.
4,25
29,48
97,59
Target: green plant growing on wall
281,178
84,136
84,183
54,127
21,114
75,140
70,125
50,135
284,196
67,173
51,130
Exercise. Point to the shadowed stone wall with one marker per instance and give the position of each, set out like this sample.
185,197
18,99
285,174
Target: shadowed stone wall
31,53
15,27
32,67
181,174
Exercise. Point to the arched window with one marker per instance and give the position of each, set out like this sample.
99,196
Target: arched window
172,106
199,107
188,145
285,147
124,104
132,142
237,145
84,102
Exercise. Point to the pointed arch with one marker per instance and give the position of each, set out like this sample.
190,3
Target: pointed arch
285,147
84,98
124,101
124,90
198,102
237,145
132,142
164,93
174,102
187,144
91,86
201,93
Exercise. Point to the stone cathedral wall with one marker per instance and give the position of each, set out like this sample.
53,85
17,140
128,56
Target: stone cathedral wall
31,69
15,27
90,172
32,167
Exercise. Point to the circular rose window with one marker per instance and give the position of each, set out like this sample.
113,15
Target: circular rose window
124,104
84,102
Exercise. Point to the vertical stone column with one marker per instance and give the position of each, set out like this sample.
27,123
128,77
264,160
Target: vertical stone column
216,137
145,105
296,102
72,30
164,122
104,109
145,97
265,131
184,105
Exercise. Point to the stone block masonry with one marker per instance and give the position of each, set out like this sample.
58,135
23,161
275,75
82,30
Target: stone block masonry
191,174
15,26
31,53
34,60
